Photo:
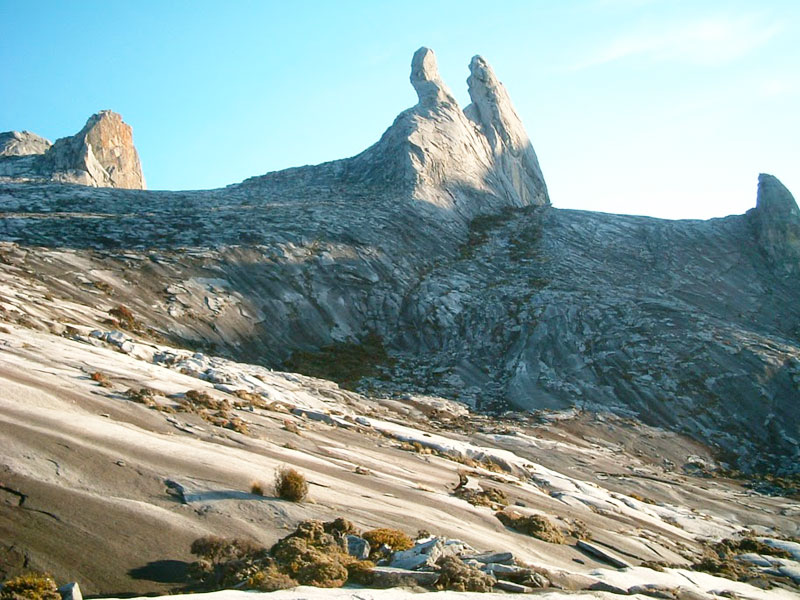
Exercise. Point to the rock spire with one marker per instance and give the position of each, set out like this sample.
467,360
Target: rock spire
468,162
101,154
777,224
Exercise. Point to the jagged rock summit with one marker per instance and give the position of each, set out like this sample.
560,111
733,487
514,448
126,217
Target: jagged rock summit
469,161
101,154
777,222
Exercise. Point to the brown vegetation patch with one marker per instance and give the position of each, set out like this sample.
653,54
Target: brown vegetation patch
536,526
30,586
394,539
460,577
290,485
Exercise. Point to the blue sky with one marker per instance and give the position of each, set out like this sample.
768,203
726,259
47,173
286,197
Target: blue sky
665,108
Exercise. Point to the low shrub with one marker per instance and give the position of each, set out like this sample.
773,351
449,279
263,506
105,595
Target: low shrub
491,497
460,577
340,527
395,539
226,562
217,549
536,526
257,488
31,586
124,316
270,579
361,572
313,555
290,485
101,379
325,571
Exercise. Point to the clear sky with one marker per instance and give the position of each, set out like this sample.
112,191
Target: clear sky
667,108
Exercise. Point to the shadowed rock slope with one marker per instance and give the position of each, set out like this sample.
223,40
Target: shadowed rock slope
432,262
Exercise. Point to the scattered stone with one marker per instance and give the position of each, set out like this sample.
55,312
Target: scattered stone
70,591
357,546
514,588
603,586
314,415
424,555
505,558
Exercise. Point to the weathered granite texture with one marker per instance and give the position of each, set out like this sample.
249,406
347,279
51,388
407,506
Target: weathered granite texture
22,143
439,241
777,223
101,154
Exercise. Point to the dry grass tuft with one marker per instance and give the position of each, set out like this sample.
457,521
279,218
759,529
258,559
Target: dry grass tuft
290,484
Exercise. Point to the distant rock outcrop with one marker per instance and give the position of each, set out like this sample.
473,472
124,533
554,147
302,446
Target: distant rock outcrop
101,154
22,143
777,222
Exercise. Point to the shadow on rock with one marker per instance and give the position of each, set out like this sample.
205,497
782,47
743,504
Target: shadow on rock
161,571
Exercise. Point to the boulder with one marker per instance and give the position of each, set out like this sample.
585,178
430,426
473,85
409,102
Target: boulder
392,576
426,554
357,546
603,554
70,591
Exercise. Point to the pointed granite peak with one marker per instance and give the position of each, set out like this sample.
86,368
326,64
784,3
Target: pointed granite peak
430,88
773,197
776,219
101,154
492,111
467,162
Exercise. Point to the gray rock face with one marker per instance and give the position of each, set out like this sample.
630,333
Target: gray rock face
357,547
430,88
437,154
438,242
22,143
101,154
491,109
776,219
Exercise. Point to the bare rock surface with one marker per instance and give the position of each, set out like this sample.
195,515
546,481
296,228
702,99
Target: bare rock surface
434,264
777,222
101,154
439,242
22,143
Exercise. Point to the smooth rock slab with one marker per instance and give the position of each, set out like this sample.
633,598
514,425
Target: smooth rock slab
385,575
505,558
514,588
603,554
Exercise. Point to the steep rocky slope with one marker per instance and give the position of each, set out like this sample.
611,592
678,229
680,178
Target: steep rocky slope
432,262
101,154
